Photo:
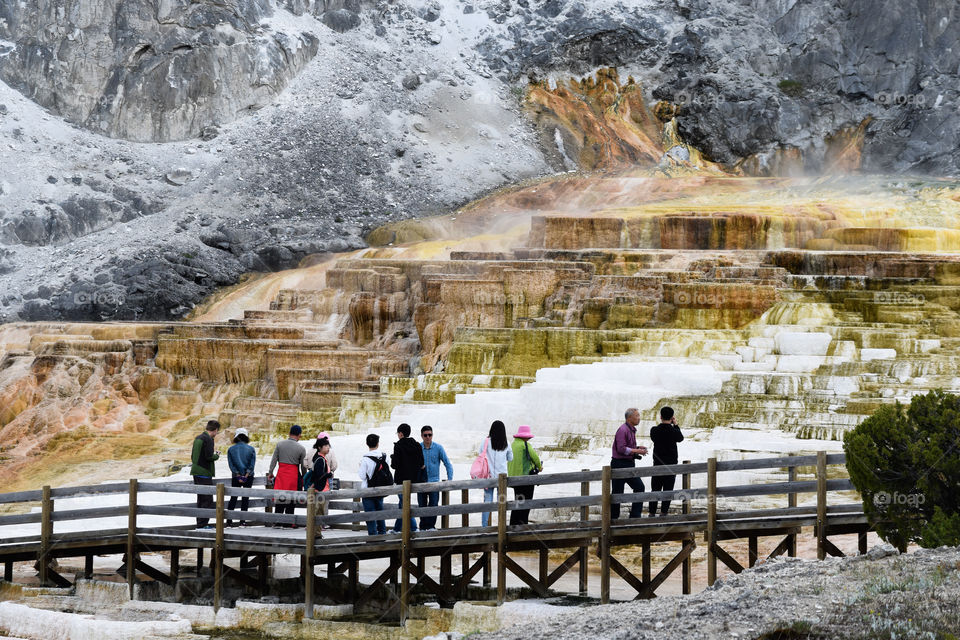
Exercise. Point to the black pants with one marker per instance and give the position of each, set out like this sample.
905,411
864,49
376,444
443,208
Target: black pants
244,501
203,501
636,508
661,483
521,516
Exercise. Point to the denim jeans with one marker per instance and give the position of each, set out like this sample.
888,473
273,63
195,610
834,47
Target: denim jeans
374,527
244,501
398,527
487,497
428,499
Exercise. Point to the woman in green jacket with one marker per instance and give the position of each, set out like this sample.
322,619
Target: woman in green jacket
525,462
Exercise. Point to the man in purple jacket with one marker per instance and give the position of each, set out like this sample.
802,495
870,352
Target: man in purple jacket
625,454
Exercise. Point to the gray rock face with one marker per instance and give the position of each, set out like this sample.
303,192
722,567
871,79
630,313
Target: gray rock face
293,127
148,70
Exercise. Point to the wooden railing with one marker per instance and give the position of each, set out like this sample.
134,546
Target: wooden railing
580,491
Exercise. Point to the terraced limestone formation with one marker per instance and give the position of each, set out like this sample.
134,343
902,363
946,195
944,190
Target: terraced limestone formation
773,315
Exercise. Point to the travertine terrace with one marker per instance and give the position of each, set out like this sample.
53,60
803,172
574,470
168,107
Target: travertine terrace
808,313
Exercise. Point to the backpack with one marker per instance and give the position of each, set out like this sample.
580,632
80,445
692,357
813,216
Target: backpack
480,469
381,474
308,479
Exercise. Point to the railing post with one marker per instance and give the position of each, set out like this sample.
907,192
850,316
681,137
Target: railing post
218,552
604,543
584,551
501,538
821,504
792,503
465,523
132,537
405,554
686,570
308,552
46,534
711,534
444,501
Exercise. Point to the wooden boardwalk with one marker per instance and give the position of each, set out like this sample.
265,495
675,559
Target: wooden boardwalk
565,522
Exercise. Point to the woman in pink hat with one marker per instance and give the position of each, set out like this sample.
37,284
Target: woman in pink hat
525,462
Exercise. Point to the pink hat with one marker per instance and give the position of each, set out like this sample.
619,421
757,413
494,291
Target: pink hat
523,432
323,434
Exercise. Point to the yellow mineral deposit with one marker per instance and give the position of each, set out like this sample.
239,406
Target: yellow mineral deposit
810,303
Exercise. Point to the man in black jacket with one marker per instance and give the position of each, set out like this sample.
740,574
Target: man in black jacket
665,437
407,462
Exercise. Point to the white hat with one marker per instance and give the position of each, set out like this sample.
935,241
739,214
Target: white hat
241,432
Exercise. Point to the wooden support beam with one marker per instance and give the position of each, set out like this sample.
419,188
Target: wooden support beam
150,572
132,537
791,504
57,580
218,552
8,571
711,534
565,566
832,549
501,538
730,561
465,523
241,577
88,566
645,561
381,581
46,533
446,575
487,570
862,542
199,560
751,551
405,554
423,578
524,575
263,564
650,590
353,578
174,567
469,574
784,546
583,554
821,529
603,547
625,573
686,573
544,564
308,553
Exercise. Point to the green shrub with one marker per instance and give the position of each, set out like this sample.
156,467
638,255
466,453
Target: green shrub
790,87
905,462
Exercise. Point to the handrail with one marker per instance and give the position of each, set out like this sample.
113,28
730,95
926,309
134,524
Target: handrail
343,506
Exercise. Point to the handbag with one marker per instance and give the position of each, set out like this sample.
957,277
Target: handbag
533,468
480,469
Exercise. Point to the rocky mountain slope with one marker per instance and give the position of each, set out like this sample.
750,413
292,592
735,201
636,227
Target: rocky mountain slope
153,151
878,595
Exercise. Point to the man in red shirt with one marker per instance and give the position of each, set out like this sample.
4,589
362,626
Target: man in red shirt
625,454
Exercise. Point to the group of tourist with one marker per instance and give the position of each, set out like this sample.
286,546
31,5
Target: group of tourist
420,462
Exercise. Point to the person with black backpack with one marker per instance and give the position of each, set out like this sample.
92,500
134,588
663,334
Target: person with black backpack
374,472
